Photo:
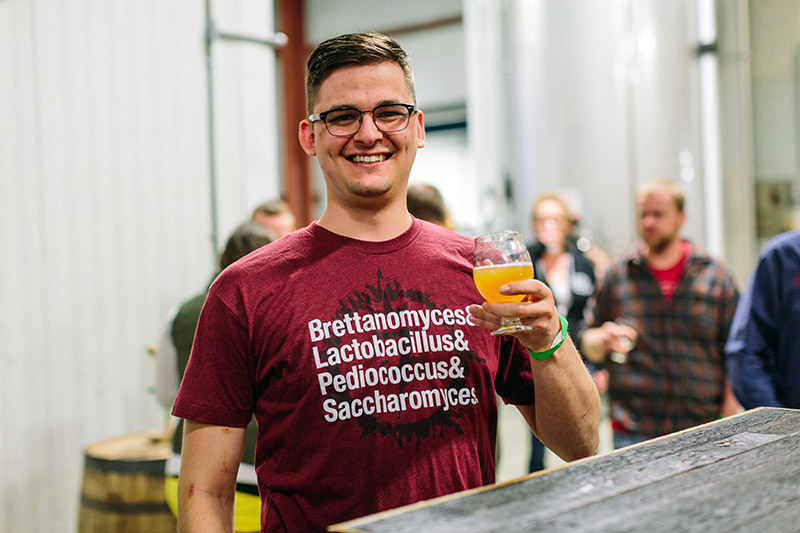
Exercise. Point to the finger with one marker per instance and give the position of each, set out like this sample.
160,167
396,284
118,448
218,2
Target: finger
490,318
628,331
541,334
618,346
609,328
540,316
534,290
527,311
511,309
482,318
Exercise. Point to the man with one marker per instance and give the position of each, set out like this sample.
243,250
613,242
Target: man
356,341
276,216
668,306
763,349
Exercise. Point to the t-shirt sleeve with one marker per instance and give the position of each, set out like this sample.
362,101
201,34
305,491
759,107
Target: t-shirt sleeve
514,381
217,387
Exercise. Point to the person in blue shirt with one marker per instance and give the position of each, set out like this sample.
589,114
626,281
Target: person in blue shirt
763,348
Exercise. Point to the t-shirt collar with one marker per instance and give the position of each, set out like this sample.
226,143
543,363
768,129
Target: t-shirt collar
370,247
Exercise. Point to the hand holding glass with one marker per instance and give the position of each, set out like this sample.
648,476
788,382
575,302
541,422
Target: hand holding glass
624,343
501,258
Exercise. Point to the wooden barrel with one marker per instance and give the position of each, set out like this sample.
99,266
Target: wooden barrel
123,486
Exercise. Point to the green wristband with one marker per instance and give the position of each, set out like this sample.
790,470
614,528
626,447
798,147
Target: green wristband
541,356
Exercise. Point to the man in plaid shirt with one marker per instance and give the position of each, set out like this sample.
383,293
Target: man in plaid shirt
661,315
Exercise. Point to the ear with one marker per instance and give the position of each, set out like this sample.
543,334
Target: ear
420,130
305,134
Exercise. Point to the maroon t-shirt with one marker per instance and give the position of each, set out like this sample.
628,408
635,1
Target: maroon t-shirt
371,387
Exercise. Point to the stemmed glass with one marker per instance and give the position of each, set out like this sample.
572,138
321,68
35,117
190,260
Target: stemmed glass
501,258
625,344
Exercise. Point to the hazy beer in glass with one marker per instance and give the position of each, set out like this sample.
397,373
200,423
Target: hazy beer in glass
490,278
501,258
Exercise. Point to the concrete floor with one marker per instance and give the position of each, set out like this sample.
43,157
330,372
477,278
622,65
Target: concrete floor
515,444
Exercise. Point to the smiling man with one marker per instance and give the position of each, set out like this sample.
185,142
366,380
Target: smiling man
357,341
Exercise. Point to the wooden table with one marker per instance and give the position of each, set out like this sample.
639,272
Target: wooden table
741,473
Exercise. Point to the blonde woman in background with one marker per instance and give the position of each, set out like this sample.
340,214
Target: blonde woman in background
568,273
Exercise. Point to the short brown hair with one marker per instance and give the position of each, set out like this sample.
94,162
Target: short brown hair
246,238
665,185
426,203
272,208
354,49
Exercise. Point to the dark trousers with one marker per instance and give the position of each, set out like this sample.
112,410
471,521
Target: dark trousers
537,455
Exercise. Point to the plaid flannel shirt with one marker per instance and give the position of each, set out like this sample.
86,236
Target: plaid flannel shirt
675,376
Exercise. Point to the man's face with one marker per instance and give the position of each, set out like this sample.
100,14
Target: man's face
659,220
369,166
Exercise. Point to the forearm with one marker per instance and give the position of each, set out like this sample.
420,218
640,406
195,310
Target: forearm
202,511
567,405
207,483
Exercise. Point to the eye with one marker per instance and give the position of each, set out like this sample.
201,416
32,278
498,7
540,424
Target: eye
391,112
343,116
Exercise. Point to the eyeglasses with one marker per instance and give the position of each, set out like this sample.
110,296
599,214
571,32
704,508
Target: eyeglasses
388,118
549,220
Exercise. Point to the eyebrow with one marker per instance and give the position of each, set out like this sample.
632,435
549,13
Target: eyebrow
353,106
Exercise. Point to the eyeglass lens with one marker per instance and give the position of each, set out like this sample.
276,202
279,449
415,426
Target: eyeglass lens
388,118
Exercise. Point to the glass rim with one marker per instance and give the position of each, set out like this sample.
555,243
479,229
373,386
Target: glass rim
497,235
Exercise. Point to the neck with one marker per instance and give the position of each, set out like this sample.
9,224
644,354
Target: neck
366,224
552,260
664,257
556,267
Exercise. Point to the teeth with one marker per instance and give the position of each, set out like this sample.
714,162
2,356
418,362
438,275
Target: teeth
368,158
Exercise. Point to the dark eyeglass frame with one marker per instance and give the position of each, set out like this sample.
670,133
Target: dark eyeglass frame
324,116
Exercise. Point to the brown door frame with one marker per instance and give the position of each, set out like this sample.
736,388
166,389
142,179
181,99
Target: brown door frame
297,189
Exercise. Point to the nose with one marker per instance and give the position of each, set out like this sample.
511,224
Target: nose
368,131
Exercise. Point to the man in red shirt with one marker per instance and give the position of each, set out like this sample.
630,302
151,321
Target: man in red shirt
357,341
662,314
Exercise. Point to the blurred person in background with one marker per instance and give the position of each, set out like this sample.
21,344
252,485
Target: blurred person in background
276,216
568,273
581,241
763,349
425,202
172,356
662,313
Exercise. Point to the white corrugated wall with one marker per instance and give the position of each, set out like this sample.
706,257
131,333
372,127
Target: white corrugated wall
105,216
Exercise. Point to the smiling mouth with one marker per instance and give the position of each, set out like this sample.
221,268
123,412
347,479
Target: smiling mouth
368,158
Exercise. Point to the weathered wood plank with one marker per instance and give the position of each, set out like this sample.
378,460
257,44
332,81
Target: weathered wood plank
542,497
715,497
786,520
